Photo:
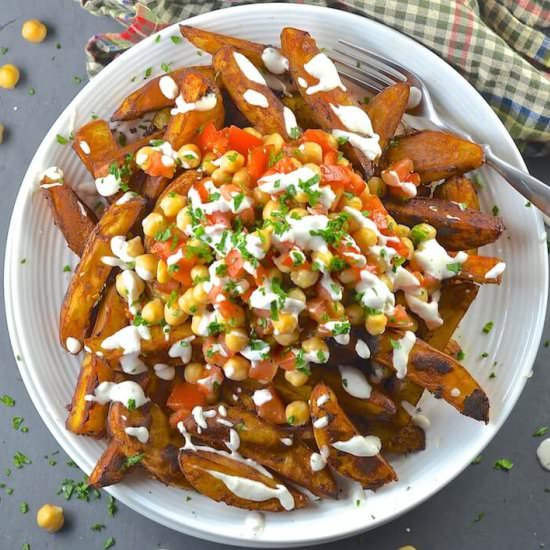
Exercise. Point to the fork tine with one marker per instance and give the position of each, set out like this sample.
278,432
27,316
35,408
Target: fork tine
369,86
388,64
376,80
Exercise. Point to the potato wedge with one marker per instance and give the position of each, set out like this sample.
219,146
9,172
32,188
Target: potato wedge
74,219
386,110
261,441
160,452
458,189
110,468
457,228
155,188
440,374
435,155
398,439
150,97
91,273
263,109
304,115
211,42
370,471
200,469
94,141
476,269
299,48
454,302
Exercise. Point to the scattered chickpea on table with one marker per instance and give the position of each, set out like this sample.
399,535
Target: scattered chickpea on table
50,518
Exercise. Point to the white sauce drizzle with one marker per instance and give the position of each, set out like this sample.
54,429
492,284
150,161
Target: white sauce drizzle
108,185
84,147
428,311
73,345
321,422
401,353
274,61
359,445
291,124
132,364
139,432
182,349
205,103
252,97
354,119
355,382
122,392
164,372
369,146
433,259
248,69
128,338
317,462
321,400
495,271
362,349
260,397
324,70
168,87
543,454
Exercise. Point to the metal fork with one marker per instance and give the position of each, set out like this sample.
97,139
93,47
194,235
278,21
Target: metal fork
375,72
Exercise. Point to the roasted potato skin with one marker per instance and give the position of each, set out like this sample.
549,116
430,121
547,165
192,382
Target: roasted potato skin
110,468
459,189
372,471
196,464
475,269
457,228
266,120
261,441
439,374
99,138
436,155
91,273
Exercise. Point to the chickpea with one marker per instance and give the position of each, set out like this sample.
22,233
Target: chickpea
281,265
297,213
134,247
365,238
200,293
242,179
34,30
153,224
348,276
196,321
189,155
421,294
285,323
322,257
199,273
387,281
238,318
313,167
352,202
236,368
252,132
187,302
410,247
143,155
153,311
125,281
236,339
304,278
272,210
355,314
193,372
301,197
207,165
9,76
377,186
402,230
296,378
297,413
183,219
260,197
422,232
173,315
221,177
337,309
297,294
342,161
391,223
50,518
311,152
146,266
275,140
288,338
407,547
315,345
162,272
171,204
376,323
232,161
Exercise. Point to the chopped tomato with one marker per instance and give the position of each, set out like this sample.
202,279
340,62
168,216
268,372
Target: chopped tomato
155,166
185,396
320,137
286,360
263,371
178,416
401,180
229,310
210,384
200,186
376,211
242,141
219,218
283,166
273,410
400,318
212,139
215,351
336,175
399,247
235,263
317,308
257,161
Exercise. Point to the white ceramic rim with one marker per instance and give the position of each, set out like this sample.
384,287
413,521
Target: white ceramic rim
131,497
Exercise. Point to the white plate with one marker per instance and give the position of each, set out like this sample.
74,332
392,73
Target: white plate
34,290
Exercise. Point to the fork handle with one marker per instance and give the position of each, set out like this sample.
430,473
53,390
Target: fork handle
534,190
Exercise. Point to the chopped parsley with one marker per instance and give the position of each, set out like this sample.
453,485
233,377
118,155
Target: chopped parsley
109,543
541,431
148,72
166,67
395,344
112,507
17,422
495,210
97,527
77,79
131,404
67,269
479,517
454,267
20,460
7,400
503,464
334,232
295,132
132,460
488,327
418,234
78,489
62,140
215,328
175,39
23,507
163,235
477,459
460,355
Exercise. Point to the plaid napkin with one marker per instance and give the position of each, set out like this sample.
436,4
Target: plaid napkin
500,46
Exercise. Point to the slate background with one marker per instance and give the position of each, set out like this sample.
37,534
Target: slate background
513,506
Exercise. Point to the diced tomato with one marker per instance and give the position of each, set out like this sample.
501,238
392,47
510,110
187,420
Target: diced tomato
286,360
399,247
376,211
211,382
183,271
178,416
283,166
229,310
215,351
257,161
320,137
336,175
156,167
235,262
263,371
242,141
317,308
397,175
202,190
330,158
185,396
400,318
219,218
273,410
212,139
261,275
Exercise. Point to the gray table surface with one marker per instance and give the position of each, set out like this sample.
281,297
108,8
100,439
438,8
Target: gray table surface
482,509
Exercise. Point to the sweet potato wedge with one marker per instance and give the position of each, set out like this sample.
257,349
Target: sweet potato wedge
261,441
454,302
435,155
263,109
386,110
304,115
200,468
74,219
94,141
160,452
211,42
476,269
398,439
439,374
150,97
183,127
458,189
299,48
110,468
91,273
457,228
370,471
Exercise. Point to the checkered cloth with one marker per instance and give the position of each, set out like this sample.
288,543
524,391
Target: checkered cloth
500,46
